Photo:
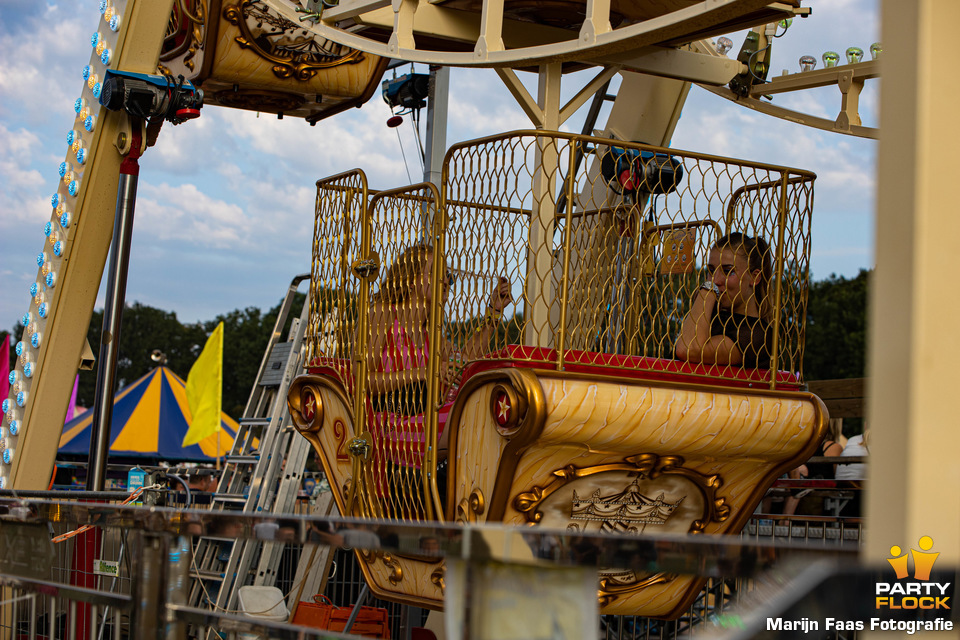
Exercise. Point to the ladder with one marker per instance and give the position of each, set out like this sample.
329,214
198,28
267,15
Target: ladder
262,472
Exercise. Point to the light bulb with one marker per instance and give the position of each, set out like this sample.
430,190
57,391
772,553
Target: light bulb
724,44
854,55
875,50
830,59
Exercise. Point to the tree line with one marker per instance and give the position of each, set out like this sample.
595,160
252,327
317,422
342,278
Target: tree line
836,340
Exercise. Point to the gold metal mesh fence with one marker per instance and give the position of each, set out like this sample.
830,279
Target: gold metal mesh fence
340,208
635,260
610,280
400,386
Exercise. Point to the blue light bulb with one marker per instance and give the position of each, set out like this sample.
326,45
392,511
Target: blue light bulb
27,318
34,288
51,279
42,310
90,123
78,105
71,136
41,258
20,347
65,219
14,427
57,249
94,39
6,405
55,200
63,168
35,340
28,369
13,377
115,23
86,72
21,398
73,188
103,6
97,88
8,455
105,57
48,229
81,156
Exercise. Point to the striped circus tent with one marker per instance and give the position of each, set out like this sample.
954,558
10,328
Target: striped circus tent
150,418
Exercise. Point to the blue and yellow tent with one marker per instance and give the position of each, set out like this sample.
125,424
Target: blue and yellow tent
150,418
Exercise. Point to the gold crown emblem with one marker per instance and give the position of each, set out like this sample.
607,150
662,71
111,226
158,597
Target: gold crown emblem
628,506
922,560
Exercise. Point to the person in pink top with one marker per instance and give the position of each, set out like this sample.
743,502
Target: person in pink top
398,349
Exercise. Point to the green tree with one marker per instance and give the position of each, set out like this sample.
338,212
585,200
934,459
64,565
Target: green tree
836,331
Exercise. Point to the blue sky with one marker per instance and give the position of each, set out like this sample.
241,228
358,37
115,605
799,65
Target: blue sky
225,204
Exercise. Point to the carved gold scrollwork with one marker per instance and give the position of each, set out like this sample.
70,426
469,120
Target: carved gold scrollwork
522,428
610,590
276,39
647,466
470,508
305,405
437,578
185,32
391,563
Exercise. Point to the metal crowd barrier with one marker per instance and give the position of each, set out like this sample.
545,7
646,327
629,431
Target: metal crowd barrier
142,558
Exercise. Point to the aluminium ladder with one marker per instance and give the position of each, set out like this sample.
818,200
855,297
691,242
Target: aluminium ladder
261,474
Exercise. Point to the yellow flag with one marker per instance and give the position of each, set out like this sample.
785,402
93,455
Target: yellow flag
205,390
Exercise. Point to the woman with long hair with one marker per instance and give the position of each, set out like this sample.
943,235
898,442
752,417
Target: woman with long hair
729,318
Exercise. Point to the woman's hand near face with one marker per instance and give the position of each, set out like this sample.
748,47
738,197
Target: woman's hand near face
501,295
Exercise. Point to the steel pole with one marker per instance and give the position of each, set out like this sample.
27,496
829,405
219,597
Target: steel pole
112,316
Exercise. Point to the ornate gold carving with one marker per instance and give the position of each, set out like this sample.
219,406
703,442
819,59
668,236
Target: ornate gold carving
259,100
470,508
185,32
629,510
507,408
531,415
275,38
438,577
305,405
625,509
613,586
646,466
391,563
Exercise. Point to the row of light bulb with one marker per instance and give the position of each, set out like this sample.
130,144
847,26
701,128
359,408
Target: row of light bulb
809,63
56,233
832,58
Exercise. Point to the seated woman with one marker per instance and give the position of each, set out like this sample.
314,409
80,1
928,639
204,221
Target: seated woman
399,346
729,318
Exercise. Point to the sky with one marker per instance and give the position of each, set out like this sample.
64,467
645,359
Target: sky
224,210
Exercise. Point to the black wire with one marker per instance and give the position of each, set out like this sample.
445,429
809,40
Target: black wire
750,64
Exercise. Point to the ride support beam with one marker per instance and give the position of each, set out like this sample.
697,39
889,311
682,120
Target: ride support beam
646,109
540,287
913,487
71,302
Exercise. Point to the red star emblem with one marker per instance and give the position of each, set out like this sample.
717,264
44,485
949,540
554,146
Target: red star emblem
503,409
309,404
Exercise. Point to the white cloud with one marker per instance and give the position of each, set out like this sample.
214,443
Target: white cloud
184,214
20,185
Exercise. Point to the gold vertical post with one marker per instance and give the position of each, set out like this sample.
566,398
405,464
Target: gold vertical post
428,468
567,233
778,288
